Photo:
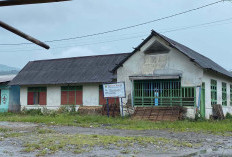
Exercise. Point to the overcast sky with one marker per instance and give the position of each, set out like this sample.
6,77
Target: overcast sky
82,17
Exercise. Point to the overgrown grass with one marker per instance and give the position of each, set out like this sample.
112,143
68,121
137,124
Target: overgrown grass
223,126
78,143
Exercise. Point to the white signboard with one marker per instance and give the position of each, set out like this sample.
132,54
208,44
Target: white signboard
114,90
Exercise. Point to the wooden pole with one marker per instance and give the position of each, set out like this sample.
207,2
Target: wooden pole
23,35
23,2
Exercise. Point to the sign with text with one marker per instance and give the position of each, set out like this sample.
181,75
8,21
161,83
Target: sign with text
114,90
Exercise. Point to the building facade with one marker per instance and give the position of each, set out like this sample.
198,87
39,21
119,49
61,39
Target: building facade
162,72
69,81
159,72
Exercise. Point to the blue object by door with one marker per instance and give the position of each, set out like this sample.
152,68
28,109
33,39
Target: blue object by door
156,94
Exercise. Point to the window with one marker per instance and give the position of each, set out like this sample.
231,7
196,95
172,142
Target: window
71,95
157,48
37,96
224,94
213,92
163,93
102,100
230,95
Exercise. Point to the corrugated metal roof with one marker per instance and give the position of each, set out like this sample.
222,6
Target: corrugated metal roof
89,69
6,78
201,60
97,69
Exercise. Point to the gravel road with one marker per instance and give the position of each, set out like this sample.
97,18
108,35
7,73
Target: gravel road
202,144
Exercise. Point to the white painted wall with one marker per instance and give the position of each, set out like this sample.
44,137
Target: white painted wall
90,97
148,64
23,96
207,79
53,98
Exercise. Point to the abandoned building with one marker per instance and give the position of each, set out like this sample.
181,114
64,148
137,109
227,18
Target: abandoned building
67,81
159,72
9,95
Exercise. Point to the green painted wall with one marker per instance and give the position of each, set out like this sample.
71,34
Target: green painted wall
4,99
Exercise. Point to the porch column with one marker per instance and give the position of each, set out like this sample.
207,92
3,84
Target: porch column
132,93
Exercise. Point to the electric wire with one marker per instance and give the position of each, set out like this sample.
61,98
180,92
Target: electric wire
213,23
124,28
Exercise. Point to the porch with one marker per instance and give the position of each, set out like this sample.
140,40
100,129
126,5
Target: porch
162,92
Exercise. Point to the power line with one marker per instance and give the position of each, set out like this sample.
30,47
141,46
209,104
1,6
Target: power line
124,28
128,38
199,25
101,42
174,29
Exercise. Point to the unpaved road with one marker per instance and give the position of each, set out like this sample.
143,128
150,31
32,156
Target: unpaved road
175,143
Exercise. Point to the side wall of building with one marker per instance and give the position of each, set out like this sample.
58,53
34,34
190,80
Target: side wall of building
168,63
5,97
14,102
208,76
90,97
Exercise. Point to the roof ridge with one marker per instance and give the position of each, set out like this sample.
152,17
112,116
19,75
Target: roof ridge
193,51
80,57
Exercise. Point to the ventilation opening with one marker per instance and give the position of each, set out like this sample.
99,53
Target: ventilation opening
156,48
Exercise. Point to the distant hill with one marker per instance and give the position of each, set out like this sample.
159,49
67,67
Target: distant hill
6,70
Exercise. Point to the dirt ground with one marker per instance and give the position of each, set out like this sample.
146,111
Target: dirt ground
16,137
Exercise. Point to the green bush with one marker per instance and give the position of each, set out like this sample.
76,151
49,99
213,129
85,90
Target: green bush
53,113
228,116
48,112
31,111
67,110
63,109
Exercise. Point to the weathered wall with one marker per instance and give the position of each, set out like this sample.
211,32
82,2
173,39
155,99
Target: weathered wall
145,64
23,96
53,97
207,79
5,95
14,103
90,97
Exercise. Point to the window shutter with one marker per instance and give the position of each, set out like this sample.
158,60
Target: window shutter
102,101
113,100
42,98
79,97
30,98
64,97
71,98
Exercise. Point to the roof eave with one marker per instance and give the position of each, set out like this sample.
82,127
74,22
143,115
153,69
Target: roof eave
209,69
